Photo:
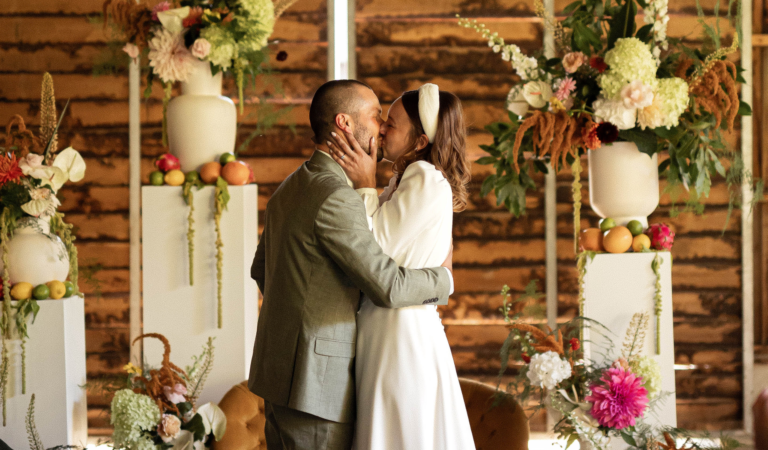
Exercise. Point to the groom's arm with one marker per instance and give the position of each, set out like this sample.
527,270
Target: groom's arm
342,229
258,268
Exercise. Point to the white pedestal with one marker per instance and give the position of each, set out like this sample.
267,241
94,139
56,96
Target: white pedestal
615,288
55,372
187,315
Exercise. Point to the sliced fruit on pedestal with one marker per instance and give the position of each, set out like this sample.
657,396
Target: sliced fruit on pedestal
21,291
41,292
70,289
57,289
617,240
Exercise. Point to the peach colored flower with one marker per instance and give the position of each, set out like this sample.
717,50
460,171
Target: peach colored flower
132,50
201,48
637,95
176,393
590,137
572,61
169,427
195,17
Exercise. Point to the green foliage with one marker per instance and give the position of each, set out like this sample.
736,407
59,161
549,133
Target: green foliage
35,443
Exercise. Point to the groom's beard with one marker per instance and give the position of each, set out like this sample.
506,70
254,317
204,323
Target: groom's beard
364,139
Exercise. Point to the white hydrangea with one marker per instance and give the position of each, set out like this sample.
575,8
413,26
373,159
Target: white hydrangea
615,112
547,369
628,61
649,370
673,93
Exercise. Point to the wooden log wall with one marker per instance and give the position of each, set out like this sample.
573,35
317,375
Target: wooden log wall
401,44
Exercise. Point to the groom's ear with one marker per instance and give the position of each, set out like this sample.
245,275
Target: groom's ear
343,122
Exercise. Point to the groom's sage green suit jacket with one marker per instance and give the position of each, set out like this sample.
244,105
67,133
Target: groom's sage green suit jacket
315,256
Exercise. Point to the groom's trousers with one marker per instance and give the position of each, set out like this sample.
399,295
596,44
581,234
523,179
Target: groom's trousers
290,429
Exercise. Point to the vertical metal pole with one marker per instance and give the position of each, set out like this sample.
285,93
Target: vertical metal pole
550,204
550,216
747,222
134,152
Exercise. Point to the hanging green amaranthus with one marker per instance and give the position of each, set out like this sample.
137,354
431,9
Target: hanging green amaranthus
221,199
576,190
656,265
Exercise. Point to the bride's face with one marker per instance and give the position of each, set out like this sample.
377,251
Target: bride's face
396,132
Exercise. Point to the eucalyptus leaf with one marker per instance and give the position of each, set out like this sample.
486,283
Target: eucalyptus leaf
622,25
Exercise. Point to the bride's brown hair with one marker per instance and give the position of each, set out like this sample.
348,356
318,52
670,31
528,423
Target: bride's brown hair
448,152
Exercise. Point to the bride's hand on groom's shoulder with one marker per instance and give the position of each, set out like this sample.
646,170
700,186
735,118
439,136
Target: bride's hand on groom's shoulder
359,166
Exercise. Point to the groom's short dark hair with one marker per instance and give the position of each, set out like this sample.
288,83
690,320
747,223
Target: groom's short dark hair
332,98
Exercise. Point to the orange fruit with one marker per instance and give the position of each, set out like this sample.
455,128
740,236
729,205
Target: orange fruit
210,172
617,240
591,239
236,173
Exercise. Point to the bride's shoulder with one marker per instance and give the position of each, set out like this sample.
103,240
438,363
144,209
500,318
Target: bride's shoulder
425,171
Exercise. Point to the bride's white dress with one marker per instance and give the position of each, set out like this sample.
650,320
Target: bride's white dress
408,393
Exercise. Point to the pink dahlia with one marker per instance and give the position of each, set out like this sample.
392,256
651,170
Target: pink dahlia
160,7
662,236
564,88
619,399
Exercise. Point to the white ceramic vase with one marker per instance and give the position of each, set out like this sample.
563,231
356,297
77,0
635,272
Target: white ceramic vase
202,123
36,255
623,182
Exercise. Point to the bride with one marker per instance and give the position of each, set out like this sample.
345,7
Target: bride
408,394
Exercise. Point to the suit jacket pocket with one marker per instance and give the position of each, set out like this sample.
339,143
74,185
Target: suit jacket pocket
329,347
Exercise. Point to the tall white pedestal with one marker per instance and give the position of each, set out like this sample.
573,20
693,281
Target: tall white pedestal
187,315
615,288
55,372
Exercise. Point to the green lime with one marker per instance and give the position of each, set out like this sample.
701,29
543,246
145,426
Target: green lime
227,157
192,177
606,224
70,289
156,178
635,227
41,292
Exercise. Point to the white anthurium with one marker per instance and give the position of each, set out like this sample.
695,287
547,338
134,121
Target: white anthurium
173,19
71,163
43,203
213,419
516,102
184,441
48,176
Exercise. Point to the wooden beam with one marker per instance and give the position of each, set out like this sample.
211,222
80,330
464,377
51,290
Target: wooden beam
760,40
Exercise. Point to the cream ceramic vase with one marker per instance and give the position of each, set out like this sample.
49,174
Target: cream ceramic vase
35,255
623,183
201,122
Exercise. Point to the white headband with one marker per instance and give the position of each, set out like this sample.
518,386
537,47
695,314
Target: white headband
429,107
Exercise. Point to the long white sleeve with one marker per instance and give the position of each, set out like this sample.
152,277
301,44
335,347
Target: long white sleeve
422,198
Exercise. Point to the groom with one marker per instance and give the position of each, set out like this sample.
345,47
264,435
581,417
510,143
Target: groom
314,258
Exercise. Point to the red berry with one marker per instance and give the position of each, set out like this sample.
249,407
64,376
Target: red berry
526,358
575,344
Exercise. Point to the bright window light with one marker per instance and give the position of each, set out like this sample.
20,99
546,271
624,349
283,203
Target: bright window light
340,40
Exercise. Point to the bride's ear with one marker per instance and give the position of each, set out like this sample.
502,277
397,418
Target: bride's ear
422,142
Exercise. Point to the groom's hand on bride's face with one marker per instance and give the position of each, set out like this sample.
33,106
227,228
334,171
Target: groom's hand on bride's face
358,164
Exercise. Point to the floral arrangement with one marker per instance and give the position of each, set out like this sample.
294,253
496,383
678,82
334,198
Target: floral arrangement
597,401
229,34
32,171
157,407
609,82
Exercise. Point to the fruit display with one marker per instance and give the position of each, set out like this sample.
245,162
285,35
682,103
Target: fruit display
613,238
54,290
228,167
